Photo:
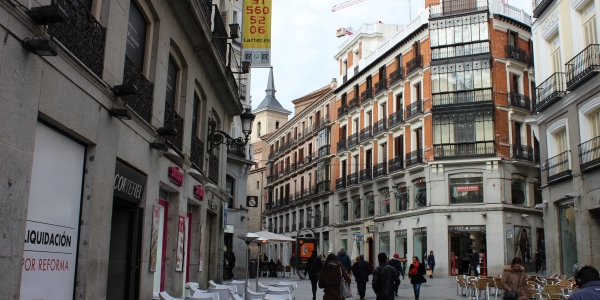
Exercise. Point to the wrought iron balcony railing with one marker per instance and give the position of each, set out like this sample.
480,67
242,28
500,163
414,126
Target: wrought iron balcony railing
559,166
242,91
353,104
300,225
520,101
452,7
464,150
414,64
81,34
582,67
326,221
414,109
324,150
540,6
523,152
353,140
550,91
293,227
317,221
380,126
589,153
366,133
366,95
206,9
515,53
345,78
238,151
142,102
219,30
213,167
397,75
366,174
414,158
380,169
356,69
341,146
380,86
342,111
173,120
340,183
459,98
287,228
396,118
197,152
395,164
351,179
280,229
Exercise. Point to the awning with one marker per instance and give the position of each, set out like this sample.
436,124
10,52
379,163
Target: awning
274,237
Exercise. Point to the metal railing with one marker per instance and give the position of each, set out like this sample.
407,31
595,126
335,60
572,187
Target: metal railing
356,70
451,7
366,133
287,228
550,91
396,118
460,50
589,153
309,224
219,30
301,225
174,120
345,78
213,167
342,111
395,164
396,75
238,151
366,95
341,145
326,221
515,53
206,8
466,97
414,158
353,104
197,152
366,174
559,166
464,150
142,102
380,169
293,227
380,126
520,101
583,66
351,179
340,183
523,152
380,86
352,140
540,6
414,64
414,109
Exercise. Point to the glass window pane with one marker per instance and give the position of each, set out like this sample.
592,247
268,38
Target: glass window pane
452,82
443,82
475,32
435,83
450,35
483,31
433,37
477,79
458,35
466,188
442,36
486,78
466,33
468,80
460,81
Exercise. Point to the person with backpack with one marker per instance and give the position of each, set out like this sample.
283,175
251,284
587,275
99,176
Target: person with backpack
385,279
314,266
361,271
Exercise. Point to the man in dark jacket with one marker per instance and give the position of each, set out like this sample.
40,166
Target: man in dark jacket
395,262
588,281
313,267
431,262
344,259
293,263
474,262
361,271
385,279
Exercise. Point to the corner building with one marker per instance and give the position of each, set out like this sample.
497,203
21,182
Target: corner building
431,152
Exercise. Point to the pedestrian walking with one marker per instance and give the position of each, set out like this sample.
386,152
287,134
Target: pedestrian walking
330,278
231,265
416,273
385,279
395,262
361,271
279,267
474,264
538,261
344,259
314,266
514,282
588,281
431,262
293,263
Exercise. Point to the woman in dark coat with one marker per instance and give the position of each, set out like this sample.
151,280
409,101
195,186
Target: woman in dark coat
330,278
273,269
416,273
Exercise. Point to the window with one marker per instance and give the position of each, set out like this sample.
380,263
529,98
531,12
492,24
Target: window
459,30
322,172
344,210
595,123
384,243
277,125
461,76
417,92
258,127
420,187
402,197
257,184
556,61
466,188
523,243
513,38
519,190
136,36
463,127
196,115
384,195
399,102
357,207
230,188
370,204
171,93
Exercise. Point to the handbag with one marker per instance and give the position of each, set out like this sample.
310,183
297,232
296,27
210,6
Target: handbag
345,290
513,295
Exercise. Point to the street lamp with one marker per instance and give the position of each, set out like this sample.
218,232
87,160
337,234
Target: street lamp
248,238
259,242
217,137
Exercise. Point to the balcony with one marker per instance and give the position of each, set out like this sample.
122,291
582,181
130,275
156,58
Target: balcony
197,153
342,111
326,221
366,174
237,151
540,6
293,227
464,150
353,140
345,78
396,119
219,30
453,7
317,221
550,91
559,166
351,179
173,120
520,101
589,154
414,109
414,64
324,150
366,95
515,53
300,225
380,86
524,152
366,133
461,98
414,158
396,164
380,126
353,104
323,186
356,69
142,102
380,169
341,146
213,167
81,34
460,50
309,224
287,228
280,229
340,183
396,75
583,66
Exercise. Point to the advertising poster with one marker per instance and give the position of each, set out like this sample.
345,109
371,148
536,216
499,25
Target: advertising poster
306,250
201,254
180,244
154,241
257,33
359,237
50,237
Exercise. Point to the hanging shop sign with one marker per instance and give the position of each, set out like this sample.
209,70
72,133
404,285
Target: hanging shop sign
52,228
251,201
176,176
256,36
359,237
466,228
129,183
199,192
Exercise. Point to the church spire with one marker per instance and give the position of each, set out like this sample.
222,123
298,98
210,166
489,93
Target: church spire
270,102
271,85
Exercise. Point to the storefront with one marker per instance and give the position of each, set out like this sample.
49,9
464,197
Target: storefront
420,243
420,196
384,243
463,240
568,240
401,243
384,195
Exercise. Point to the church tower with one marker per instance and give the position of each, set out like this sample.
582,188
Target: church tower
270,115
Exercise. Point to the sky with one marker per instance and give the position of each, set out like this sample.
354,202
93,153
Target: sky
304,42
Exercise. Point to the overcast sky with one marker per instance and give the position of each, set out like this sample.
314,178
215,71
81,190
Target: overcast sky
304,41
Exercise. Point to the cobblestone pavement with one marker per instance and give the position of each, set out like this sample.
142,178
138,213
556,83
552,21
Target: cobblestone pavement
436,288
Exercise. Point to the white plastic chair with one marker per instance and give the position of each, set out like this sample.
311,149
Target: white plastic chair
290,285
188,288
277,297
279,290
240,285
195,291
155,296
253,295
262,287
223,291
235,296
165,296
212,283
204,296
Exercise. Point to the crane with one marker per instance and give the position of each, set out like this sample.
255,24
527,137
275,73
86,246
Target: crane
345,4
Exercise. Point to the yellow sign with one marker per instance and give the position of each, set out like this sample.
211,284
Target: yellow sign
256,35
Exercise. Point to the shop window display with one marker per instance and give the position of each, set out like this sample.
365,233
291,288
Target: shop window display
384,194
523,243
401,243
519,190
384,243
568,241
420,187
401,194
370,204
420,243
466,188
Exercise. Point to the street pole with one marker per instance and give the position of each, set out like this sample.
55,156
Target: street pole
248,238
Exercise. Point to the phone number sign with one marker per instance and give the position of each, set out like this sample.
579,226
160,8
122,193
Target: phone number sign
256,36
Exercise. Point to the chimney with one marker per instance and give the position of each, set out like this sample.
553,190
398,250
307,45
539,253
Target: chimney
333,83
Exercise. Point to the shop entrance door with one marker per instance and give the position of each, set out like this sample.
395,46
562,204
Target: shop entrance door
124,252
371,250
